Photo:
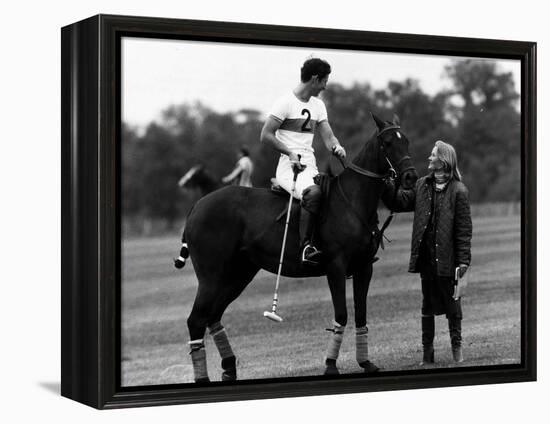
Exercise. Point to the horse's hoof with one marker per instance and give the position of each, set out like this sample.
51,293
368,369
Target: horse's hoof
229,375
369,367
331,370
202,380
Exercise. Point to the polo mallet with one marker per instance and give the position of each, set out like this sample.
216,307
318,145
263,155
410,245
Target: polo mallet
273,314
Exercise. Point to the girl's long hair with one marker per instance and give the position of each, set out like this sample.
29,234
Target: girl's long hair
447,154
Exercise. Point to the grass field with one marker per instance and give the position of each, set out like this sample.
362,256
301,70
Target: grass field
157,298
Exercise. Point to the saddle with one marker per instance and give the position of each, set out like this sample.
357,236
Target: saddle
322,180
279,191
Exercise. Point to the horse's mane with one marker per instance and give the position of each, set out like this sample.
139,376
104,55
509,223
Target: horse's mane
367,150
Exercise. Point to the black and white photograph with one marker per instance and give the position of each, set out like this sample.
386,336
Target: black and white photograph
292,212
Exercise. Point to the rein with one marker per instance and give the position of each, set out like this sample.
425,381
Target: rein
373,229
391,175
359,170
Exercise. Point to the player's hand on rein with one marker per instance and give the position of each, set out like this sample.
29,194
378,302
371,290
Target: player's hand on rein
462,268
339,151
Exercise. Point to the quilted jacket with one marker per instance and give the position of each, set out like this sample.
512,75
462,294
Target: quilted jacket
453,226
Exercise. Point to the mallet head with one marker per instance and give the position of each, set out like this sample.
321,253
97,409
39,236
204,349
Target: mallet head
273,316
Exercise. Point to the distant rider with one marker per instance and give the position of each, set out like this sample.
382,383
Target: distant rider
243,170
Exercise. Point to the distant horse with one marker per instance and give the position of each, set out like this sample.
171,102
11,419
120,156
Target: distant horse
198,178
234,232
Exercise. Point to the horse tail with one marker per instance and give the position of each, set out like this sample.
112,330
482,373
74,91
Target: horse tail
179,262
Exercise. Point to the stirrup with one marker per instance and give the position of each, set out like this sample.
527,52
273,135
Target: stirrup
311,255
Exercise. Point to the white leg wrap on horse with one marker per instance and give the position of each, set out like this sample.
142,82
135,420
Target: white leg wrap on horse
361,344
335,341
218,333
198,357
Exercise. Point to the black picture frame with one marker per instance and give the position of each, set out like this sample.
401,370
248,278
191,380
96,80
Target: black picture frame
91,106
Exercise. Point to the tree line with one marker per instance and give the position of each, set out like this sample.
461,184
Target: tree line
478,114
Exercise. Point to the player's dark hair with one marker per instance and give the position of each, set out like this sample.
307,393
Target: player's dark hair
245,151
314,66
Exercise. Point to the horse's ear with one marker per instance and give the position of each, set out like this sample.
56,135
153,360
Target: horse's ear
396,120
379,123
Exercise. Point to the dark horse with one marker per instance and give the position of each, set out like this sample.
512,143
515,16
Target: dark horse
198,178
234,232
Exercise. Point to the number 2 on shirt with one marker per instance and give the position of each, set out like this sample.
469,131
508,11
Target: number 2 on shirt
305,127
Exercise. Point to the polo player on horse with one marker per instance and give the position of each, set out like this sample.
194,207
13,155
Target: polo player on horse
234,232
289,129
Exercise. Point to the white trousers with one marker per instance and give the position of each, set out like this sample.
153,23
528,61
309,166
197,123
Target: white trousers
285,174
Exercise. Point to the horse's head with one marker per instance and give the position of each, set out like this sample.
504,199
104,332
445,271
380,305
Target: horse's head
192,178
393,152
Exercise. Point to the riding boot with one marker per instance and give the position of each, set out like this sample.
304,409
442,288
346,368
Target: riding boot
310,254
428,332
455,332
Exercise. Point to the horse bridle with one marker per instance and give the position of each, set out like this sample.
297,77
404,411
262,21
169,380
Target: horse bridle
392,174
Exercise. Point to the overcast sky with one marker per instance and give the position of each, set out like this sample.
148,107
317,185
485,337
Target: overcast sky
229,77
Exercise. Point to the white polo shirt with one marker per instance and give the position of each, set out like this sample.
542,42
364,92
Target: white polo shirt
298,121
